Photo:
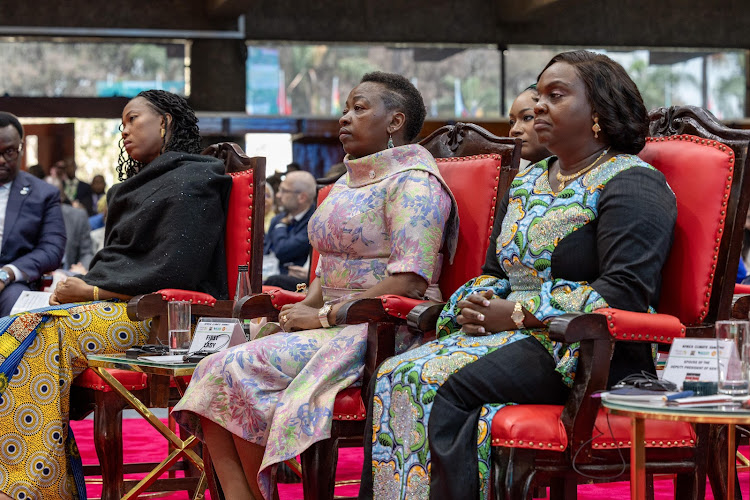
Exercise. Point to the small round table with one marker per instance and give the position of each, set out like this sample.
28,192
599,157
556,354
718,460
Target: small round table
640,412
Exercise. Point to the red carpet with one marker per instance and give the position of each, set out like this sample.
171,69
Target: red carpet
145,444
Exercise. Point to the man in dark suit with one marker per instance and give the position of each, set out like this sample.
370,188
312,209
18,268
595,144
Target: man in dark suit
32,231
287,233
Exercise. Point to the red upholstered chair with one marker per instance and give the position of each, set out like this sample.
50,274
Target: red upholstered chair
478,167
540,444
244,245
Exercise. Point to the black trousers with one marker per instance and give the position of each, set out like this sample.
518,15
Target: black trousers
522,372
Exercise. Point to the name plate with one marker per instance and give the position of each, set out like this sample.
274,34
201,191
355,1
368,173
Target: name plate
695,360
216,334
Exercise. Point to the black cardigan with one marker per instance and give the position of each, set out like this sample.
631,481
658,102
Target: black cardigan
165,229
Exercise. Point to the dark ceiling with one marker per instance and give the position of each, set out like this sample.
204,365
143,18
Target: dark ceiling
608,23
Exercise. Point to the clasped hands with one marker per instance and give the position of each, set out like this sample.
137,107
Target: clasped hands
483,315
480,315
299,316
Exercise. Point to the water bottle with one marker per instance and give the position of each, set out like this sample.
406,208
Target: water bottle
242,290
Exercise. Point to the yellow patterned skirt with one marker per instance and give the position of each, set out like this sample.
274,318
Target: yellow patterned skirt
35,452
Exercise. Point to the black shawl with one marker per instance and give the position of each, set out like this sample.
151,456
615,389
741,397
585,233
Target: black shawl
165,229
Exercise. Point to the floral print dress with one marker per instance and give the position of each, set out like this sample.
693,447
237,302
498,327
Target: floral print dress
390,213
535,221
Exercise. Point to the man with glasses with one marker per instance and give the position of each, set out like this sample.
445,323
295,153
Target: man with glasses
32,231
287,233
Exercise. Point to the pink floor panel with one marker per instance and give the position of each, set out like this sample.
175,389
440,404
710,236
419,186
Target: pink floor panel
145,444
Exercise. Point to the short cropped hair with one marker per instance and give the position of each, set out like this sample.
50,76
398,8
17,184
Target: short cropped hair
401,95
614,97
11,119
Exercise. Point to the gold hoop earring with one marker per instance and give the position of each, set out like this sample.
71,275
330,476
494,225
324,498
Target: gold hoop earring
163,133
596,127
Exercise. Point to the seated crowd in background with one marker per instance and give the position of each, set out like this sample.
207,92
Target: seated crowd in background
286,245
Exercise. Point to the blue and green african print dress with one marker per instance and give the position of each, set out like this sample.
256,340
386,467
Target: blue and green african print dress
553,252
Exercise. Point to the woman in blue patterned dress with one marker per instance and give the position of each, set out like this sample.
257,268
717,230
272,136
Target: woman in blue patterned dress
589,227
384,228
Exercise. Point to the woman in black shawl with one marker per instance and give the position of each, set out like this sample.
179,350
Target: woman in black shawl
165,229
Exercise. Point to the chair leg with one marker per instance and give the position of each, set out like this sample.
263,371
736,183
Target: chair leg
563,488
519,475
319,469
108,442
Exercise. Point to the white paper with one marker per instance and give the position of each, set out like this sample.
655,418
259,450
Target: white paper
169,360
694,360
28,301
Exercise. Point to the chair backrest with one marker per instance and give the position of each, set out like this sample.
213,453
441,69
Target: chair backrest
323,191
478,168
709,175
244,224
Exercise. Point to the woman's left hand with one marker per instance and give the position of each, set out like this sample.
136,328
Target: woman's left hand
72,290
483,315
299,316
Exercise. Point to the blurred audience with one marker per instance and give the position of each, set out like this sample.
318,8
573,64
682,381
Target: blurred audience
97,234
270,210
287,237
78,247
98,189
37,171
77,191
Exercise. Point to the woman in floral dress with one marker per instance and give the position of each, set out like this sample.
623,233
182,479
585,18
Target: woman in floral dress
384,228
587,228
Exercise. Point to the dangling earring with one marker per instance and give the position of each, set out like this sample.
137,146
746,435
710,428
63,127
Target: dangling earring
163,133
596,128
390,141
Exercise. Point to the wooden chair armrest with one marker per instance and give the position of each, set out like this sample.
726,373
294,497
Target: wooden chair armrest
154,306
258,305
424,316
740,306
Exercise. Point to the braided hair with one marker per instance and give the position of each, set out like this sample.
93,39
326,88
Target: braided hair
183,135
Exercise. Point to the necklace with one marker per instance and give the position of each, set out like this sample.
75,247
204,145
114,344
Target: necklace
562,179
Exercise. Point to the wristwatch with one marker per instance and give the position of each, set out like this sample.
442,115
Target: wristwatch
4,277
323,314
517,316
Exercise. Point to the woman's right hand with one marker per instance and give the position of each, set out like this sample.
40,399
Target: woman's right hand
299,316
71,290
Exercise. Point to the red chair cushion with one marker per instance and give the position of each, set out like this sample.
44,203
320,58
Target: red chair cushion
349,405
628,325
239,235
281,297
169,294
133,381
696,169
473,182
539,427
398,306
